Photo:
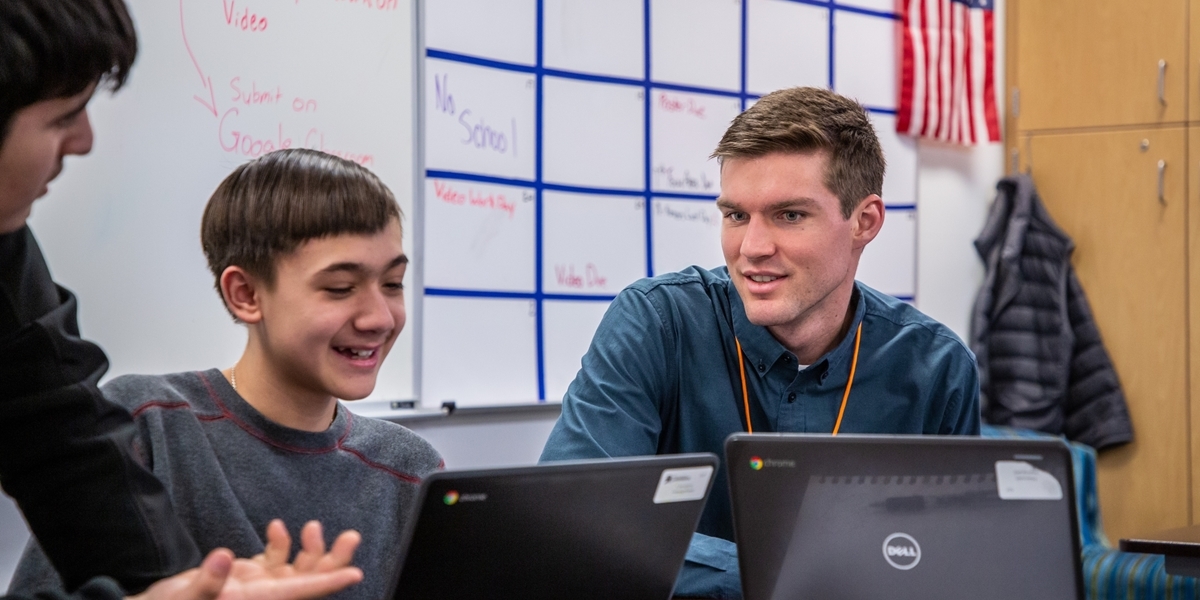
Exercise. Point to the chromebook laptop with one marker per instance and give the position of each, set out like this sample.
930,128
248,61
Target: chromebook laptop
904,517
599,529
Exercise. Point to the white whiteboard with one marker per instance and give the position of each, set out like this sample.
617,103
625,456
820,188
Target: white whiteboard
615,121
216,83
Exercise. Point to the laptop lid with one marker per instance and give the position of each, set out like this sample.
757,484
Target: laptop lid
904,517
613,528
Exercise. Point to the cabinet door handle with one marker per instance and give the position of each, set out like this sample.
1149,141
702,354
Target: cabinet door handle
1162,169
1162,81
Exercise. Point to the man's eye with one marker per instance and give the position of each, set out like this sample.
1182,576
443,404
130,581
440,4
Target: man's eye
792,216
394,285
735,216
340,291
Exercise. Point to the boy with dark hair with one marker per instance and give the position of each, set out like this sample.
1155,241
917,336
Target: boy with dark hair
64,450
305,250
776,339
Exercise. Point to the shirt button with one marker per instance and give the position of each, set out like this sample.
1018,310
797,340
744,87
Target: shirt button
761,367
824,376
791,397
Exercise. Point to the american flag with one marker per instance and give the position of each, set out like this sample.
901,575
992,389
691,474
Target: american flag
948,71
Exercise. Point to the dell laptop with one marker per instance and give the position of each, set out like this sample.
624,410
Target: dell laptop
603,529
904,517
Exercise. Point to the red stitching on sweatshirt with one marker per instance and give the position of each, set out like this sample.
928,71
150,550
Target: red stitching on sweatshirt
158,404
370,463
226,414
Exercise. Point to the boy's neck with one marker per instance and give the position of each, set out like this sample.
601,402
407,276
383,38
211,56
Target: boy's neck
278,397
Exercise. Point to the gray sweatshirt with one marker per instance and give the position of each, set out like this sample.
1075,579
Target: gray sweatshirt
230,470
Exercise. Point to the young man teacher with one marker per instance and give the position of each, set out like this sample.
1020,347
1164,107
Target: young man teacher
782,338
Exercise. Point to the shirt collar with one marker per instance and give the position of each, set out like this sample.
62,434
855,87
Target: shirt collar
762,349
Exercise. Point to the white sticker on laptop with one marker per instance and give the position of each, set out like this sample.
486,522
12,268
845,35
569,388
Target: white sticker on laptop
1019,480
682,485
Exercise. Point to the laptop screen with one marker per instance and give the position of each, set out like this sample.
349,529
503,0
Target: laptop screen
581,530
903,517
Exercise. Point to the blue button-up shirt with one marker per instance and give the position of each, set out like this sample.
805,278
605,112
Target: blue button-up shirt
662,376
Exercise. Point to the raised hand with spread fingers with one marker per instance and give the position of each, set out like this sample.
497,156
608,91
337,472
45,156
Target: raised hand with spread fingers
314,573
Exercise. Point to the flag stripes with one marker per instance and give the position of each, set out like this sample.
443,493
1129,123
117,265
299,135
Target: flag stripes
947,71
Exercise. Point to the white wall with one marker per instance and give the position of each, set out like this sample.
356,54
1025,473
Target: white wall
955,187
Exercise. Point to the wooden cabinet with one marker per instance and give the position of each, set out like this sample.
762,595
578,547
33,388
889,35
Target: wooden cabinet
1192,76
1090,126
1084,63
1131,257
1193,236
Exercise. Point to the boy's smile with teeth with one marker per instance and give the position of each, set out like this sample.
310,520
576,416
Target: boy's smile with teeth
356,353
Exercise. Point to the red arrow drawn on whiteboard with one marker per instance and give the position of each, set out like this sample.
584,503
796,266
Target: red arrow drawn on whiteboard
205,81
211,105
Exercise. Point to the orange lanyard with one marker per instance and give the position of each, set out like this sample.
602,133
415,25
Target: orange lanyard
845,395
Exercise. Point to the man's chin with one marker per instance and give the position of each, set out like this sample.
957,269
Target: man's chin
764,316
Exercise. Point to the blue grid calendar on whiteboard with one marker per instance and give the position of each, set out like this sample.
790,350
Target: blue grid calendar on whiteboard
566,148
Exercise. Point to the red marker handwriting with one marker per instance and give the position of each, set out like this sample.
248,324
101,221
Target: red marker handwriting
472,197
672,103
245,20
591,278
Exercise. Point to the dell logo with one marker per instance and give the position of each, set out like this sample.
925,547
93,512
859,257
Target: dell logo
901,551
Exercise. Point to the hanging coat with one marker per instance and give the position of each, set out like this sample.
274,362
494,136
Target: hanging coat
1042,364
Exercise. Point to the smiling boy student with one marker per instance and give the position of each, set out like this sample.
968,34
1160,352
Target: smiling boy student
305,249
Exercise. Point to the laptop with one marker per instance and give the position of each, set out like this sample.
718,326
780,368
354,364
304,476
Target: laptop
904,517
603,529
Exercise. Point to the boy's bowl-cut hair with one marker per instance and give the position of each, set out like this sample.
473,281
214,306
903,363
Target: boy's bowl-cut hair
269,206
57,48
806,119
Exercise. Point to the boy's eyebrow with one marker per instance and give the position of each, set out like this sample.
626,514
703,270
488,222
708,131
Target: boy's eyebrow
74,110
359,267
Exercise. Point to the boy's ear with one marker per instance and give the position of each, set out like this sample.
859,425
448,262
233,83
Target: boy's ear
241,290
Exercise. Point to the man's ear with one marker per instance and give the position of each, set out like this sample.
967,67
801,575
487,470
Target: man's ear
867,220
242,294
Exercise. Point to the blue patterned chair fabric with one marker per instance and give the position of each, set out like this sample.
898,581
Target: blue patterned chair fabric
1108,574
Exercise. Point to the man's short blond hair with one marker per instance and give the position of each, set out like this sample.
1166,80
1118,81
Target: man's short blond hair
804,119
